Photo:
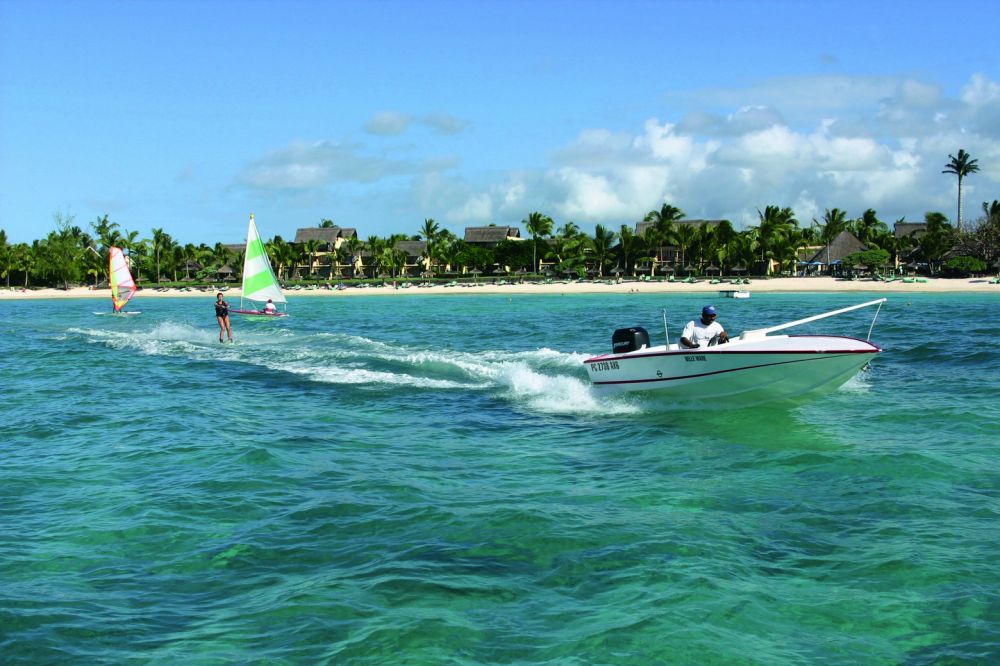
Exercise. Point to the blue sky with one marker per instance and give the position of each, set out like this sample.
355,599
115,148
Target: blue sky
191,115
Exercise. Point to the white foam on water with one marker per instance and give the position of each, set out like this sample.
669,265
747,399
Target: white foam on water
354,375
541,380
857,384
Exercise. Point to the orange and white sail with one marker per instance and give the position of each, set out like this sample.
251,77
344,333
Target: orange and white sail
122,285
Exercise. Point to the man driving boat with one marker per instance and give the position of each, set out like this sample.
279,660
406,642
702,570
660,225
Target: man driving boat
702,332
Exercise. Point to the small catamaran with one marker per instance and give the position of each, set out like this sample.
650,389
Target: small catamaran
122,285
259,283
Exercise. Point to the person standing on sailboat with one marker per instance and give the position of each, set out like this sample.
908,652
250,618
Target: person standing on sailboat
222,315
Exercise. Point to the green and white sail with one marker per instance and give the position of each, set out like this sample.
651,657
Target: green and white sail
259,282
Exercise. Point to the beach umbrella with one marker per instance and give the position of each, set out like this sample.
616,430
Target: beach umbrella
475,272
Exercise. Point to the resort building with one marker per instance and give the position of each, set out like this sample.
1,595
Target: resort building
329,240
670,257
829,257
415,263
491,236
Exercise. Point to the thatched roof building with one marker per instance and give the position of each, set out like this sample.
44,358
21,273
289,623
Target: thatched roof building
491,236
909,229
844,244
328,237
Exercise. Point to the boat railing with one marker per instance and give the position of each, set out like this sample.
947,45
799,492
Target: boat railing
762,332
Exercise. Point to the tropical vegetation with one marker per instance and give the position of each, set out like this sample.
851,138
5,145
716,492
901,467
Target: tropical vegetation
662,244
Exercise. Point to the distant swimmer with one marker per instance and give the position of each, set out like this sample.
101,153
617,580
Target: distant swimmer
222,316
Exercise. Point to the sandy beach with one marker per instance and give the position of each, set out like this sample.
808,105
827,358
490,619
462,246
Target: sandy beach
813,284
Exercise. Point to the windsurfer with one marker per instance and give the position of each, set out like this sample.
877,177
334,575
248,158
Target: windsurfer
222,316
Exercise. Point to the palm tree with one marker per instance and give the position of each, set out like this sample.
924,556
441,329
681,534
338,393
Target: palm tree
937,240
777,226
663,228
868,227
537,225
429,230
834,221
992,211
628,244
106,231
161,242
684,236
311,248
6,257
354,245
603,241
961,166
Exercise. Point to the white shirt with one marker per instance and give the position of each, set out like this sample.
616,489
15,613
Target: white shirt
269,307
700,333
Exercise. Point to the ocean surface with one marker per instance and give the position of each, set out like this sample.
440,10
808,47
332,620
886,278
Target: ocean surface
430,480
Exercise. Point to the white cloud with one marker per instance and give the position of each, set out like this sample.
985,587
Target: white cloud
443,123
476,209
303,165
873,142
394,123
388,123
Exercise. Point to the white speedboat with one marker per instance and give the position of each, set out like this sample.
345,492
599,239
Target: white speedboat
750,369
734,293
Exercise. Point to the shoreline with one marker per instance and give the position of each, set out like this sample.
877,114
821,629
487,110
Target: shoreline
773,285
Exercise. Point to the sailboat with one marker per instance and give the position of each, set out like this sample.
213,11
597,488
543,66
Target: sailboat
122,285
259,283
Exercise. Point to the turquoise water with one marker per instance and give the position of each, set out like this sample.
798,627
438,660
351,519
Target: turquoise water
429,480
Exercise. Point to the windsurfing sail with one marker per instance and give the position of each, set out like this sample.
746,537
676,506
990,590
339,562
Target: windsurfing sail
259,282
122,285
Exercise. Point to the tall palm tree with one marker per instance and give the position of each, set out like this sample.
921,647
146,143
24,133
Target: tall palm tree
777,226
537,225
936,240
992,211
868,227
961,166
161,241
429,230
311,249
684,237
628,245
663,227
106,231
603,241
6,257
834,221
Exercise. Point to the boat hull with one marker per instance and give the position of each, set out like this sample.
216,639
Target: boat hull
260,314
781,368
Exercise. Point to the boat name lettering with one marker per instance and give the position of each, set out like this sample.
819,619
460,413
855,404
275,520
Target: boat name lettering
604,365
694,358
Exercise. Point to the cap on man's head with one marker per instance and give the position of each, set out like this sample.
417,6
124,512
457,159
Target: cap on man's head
708,310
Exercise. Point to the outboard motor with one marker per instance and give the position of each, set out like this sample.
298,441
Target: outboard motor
629,339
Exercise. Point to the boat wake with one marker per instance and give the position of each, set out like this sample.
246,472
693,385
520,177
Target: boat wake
542,380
